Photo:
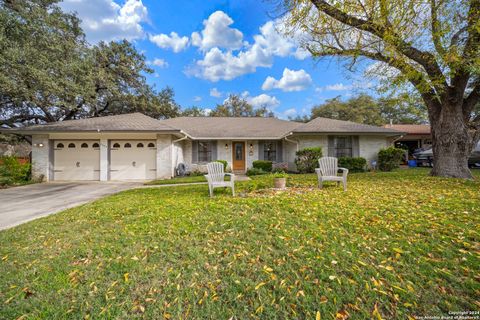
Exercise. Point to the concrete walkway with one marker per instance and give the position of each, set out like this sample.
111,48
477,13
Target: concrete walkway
21,204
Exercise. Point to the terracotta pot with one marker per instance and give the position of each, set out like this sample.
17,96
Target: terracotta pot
280,183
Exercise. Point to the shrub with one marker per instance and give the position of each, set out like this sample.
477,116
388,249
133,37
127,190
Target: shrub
255,172
265,165
355,164
13,171
390,158
307,159
280,174
225,164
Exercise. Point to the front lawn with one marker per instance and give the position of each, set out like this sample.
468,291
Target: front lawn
394,246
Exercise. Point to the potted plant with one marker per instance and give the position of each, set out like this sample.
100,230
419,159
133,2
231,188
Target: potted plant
280,179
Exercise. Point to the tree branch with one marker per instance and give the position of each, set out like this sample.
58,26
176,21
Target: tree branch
425,59
435,24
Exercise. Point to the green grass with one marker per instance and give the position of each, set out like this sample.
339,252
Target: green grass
178,180
395,245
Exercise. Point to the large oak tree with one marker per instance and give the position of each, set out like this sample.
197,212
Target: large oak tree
432,44
48,72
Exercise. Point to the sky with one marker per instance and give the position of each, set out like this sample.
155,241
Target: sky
206,50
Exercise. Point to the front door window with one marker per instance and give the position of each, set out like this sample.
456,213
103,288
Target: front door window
238,151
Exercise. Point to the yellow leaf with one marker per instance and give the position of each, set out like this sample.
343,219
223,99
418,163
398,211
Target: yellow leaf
375,313
261,284
398,250
318,317
125,276
389,268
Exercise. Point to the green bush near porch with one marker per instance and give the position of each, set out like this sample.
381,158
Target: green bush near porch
264,165
353,164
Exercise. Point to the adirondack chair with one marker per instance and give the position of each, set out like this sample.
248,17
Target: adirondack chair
328,171
216,178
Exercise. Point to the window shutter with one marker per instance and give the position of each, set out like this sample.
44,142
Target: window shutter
331,146
213,145
279,151
355,146
261,146
194,151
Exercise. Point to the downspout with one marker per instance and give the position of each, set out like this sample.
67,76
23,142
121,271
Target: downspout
174,164
292,141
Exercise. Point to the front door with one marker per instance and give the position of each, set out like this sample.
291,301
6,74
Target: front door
238,156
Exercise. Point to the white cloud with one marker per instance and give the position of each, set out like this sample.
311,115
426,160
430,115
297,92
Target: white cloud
197,98
338,87
218,65
221,63
217,33
215,93
172,41
160,63
291,81
263,100
105,20
289,112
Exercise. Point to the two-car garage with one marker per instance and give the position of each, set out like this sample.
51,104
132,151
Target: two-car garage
127,159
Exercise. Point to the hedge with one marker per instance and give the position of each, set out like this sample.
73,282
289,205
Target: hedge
390,158
307,159
353,164
264,165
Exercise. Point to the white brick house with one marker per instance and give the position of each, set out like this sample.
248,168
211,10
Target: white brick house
137,147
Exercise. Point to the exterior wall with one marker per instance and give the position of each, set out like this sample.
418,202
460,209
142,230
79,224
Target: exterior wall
223,153
40,157
251,155
165,168
104,160
370,145
289,150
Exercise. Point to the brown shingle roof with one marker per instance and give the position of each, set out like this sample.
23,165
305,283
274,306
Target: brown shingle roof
233,127
423,129
326,125
123,122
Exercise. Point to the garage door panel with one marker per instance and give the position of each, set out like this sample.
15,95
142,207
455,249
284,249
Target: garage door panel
76,160
133,160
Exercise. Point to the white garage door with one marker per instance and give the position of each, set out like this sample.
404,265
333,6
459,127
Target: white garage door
133,160
76,160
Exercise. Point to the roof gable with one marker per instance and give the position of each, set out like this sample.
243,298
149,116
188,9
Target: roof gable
233,127
326,125
123,122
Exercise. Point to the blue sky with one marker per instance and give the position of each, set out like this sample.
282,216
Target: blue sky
206,50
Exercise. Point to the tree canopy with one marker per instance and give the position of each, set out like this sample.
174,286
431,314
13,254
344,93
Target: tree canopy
373,111
236,106
48,72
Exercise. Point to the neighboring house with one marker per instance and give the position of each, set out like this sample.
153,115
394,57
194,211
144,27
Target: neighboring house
134,146
417,136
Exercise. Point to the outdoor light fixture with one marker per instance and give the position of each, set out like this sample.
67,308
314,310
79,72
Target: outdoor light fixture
250,150
40,145
226,146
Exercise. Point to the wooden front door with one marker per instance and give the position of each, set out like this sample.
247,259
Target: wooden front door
238,156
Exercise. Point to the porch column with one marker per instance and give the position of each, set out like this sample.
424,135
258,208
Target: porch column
164,157
103,159
41,157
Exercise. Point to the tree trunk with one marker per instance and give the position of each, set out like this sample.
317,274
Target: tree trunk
452,143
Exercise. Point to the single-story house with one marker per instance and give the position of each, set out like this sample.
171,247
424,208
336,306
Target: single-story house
416,136
137,147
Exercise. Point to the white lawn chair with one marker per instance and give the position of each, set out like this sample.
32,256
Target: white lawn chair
328,171
216,178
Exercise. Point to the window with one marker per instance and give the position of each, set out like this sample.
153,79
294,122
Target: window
204,151
343,146
60,146
95,145
127,145
270,151
151,145
116,145
84,145
140,145
71,145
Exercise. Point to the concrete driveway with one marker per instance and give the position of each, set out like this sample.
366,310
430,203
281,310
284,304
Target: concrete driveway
21,204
